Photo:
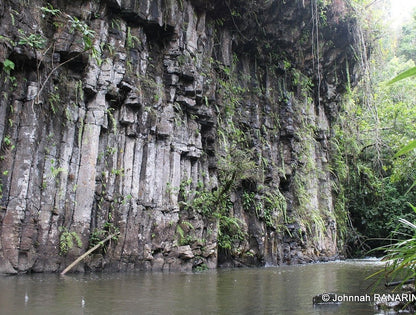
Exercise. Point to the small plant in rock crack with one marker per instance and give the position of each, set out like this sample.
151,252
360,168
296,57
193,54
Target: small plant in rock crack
67,240
35,41
200,268
8,66
183,239
98,235
49,9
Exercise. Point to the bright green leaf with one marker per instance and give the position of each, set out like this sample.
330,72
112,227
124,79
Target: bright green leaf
8,65
408,73
409,147
412,206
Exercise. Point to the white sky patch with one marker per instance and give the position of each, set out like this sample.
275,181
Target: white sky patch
401,11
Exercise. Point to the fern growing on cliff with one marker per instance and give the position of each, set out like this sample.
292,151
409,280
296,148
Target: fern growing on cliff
67,240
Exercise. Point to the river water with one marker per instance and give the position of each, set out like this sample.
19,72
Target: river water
271,290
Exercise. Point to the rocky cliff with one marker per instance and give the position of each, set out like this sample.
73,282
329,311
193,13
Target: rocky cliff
196,132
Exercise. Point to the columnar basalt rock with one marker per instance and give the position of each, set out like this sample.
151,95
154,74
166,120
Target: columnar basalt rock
197,129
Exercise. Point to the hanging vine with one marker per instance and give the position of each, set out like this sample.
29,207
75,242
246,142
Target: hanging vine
315,46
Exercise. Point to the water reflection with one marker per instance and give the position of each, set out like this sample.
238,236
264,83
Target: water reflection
274,290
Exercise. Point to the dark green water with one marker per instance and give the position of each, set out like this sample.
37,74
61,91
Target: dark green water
273,290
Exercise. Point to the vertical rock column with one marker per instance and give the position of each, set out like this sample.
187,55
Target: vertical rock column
95,118
20,182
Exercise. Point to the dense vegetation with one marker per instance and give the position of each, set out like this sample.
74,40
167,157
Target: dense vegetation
377,187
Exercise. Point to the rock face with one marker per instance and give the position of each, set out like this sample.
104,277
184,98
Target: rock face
197,129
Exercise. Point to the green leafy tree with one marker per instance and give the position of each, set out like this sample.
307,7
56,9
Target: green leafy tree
407,44
376,188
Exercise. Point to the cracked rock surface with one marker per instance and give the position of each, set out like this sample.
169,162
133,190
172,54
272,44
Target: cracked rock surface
115,113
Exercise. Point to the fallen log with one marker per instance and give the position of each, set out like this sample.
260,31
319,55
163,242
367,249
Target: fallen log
87,253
